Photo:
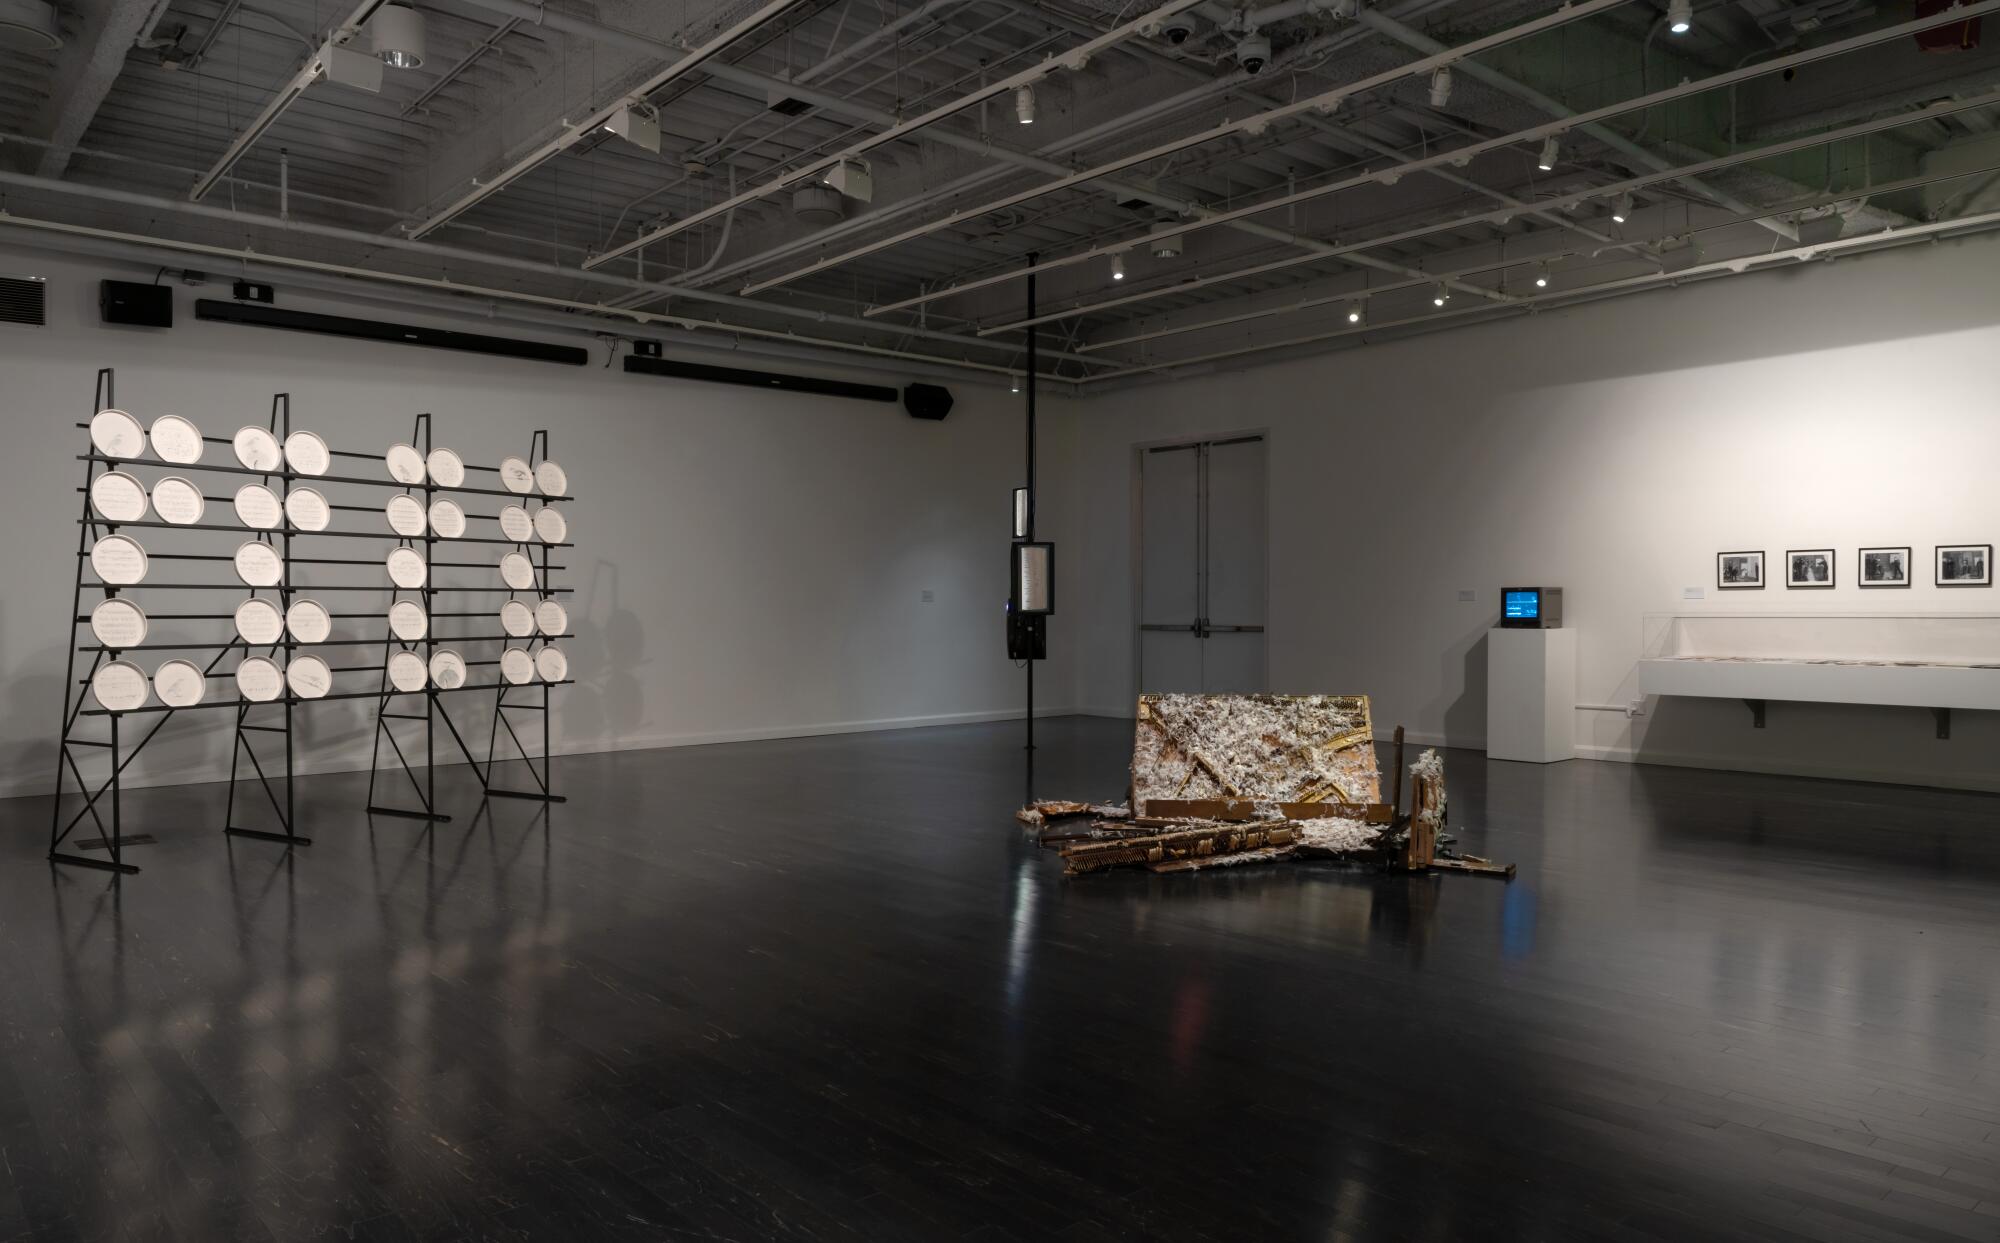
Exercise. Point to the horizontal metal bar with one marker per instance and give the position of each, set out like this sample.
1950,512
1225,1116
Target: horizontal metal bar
266,729
129,839
102,865
528,794
311,587
373,810
295,699
291,530
309,480
290,839
290,644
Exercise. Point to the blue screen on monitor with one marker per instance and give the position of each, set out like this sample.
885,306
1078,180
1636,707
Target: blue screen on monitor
1524,605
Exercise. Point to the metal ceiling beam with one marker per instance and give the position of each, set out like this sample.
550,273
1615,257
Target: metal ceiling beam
1251,125
432,250
1669,174
1463,155
1073,59
72,109
287,95
683,64
1643,157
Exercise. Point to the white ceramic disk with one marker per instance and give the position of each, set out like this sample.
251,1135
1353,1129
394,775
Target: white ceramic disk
407,568
118,497
406,671
308,453
118,623
307,509
550,525
447,468
115,433
179,683
119,560
176,440
552,664
516,619
257,448
258,564
515,475
517,571
515,524
447,519
178,501
447,669
407,621
308,621
258,680
551,618
406,515
120,686
405,464
553,480
517,666
309,677
259,623
257,507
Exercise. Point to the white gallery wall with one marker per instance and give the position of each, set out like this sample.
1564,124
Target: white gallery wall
1611,450
748,563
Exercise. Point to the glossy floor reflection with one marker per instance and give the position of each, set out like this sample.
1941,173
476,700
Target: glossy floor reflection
823,989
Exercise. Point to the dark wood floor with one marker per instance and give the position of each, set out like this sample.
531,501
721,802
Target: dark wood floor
823,989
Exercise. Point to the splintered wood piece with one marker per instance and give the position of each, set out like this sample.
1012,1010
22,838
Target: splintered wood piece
1163,811
1030,817
1245,858
1396,764
1186,844
1478,868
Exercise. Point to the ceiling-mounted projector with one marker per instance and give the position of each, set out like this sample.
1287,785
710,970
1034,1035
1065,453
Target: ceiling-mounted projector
853,178
29,25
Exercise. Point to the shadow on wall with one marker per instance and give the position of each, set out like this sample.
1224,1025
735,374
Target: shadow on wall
1465,716
605,658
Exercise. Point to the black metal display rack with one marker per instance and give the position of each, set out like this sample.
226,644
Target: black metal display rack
89,731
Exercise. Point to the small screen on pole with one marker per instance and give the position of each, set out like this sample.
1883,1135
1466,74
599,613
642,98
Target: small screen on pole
1033,586
1020,513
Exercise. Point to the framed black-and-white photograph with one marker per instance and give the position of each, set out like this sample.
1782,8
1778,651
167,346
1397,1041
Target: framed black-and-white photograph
1885,567
1809,567
1965,565
1739,571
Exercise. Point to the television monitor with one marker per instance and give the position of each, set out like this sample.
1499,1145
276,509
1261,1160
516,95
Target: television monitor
1531,608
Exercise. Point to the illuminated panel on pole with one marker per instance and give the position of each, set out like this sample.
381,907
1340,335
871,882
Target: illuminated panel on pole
1020,513
1033,578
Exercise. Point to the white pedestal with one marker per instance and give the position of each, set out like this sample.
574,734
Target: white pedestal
1531,695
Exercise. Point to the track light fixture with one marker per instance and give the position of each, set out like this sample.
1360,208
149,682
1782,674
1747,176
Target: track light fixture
1550,149
1441,86
1680,16
397,31
1440,296
637,125
1024,103
1015,386
1542,276
1118,267
1621,207
1354,314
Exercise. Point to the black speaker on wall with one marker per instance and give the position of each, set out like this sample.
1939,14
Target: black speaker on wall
129,302
927,401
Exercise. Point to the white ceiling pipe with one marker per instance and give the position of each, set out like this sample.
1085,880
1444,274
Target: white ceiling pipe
453,254
287,95
1073,58
1636,284
1609,137
473,311
575,133
1391,174
232,255
1251,125
1756,215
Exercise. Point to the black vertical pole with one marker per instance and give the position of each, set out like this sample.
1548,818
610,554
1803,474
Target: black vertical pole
1029,385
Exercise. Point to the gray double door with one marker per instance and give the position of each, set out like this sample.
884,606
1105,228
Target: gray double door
1201,566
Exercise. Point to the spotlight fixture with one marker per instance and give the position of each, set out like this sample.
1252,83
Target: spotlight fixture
1680,16
1015,384
1621,207
1118,267
1440,296
1542,276
397,31
1441,86
1550,149
1024,104
637,125
1354,314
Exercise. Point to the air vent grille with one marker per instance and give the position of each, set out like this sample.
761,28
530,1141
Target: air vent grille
24,300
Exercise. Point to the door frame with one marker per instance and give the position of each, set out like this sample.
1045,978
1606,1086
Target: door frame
1136,550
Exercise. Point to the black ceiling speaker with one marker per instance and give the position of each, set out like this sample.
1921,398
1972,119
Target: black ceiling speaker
129,302
927,401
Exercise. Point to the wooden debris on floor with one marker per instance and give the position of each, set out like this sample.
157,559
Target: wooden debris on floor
1227,780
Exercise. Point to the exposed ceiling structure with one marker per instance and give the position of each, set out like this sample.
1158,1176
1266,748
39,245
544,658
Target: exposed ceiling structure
1194,185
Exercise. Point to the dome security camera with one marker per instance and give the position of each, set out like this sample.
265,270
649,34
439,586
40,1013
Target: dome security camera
1253,53
1178,29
